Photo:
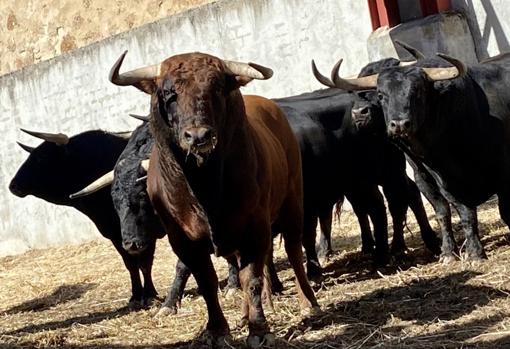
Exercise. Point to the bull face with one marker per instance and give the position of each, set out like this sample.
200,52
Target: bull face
404,95
139,224
54,170
191,99
366,112
43,174
190,94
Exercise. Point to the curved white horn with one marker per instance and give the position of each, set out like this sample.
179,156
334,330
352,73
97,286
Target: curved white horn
99,183
353,84
134,76
251,70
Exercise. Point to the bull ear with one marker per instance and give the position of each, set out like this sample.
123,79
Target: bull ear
147,86
243,80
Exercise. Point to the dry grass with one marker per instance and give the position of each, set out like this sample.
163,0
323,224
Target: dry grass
75,297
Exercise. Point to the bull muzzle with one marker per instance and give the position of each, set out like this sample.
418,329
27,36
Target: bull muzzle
399,128
199,140
134,247
361,117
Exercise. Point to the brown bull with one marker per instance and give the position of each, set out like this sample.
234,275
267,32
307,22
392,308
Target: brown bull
225,168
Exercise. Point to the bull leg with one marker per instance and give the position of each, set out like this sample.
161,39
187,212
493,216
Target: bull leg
377,213
504,206
252,259
469,222
368,200
428,234
313,267
233,282
292,223
367,240
397,205
131,264
325,220
430,189
146,260
195,255
276,284
176,290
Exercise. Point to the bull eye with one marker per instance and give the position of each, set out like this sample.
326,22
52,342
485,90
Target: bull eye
380,96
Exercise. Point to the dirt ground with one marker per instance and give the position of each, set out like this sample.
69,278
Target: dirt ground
76,297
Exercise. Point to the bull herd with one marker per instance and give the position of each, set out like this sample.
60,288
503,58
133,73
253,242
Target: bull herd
219,172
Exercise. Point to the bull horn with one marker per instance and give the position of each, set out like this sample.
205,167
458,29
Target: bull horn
99,183
140,117
57,138
145,164
25,147
459,69
134,76
124,135
411,50
321,78
251,70
353,84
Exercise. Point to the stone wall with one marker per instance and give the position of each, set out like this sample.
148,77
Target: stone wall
71,93
32,31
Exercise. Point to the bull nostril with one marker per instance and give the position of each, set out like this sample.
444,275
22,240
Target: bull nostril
188,137
364,111
406,124
393,124
205,135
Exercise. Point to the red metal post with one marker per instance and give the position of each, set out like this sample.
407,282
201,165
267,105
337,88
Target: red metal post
430,7
374,15
388,12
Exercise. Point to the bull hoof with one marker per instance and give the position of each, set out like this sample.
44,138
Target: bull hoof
165,311
215,341
476,257
446,259
276,287
267,340
432,243
149,301
135,304
232,293
309,312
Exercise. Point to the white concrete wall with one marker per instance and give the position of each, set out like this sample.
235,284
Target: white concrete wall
489,24
71,93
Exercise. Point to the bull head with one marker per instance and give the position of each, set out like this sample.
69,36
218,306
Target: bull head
191,95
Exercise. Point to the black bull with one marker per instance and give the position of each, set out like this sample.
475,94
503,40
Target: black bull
53,171
456,137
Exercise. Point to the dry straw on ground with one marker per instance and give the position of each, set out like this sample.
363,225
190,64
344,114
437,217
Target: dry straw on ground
75,297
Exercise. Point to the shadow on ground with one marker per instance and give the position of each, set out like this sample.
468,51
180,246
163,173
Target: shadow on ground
62,294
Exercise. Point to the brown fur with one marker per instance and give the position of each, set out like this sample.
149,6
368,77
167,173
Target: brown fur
251,180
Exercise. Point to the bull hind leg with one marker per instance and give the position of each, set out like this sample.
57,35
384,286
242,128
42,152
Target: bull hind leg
252,260
308,232
397,205
469,222
368,200
430,189
292,224
176,290
146,260
195,255
325,220
233,282
504,207
131,264
428,234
